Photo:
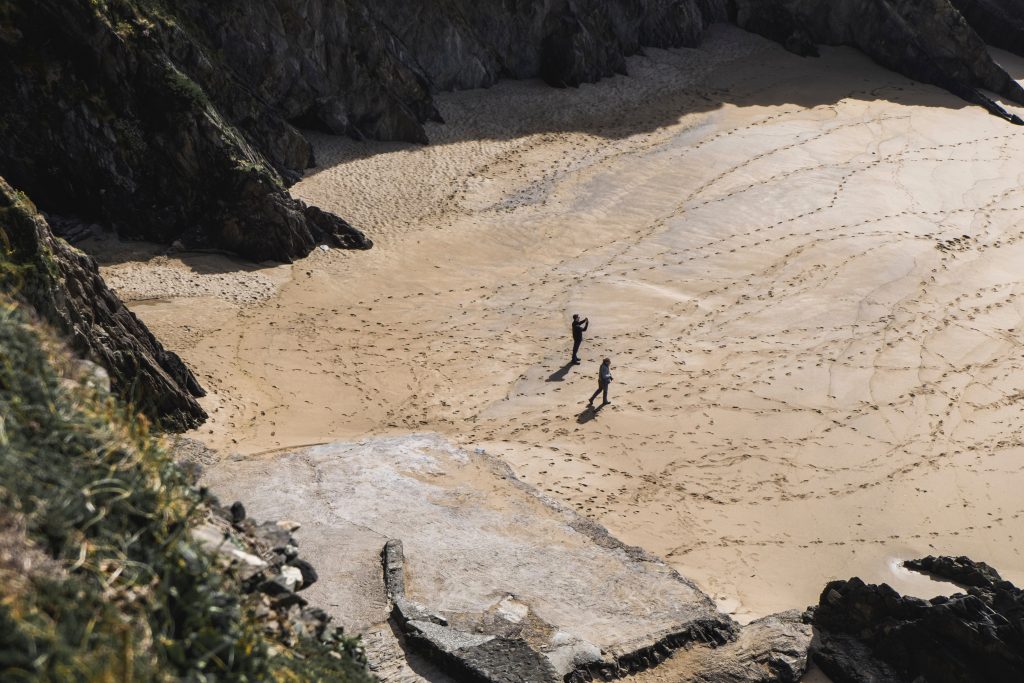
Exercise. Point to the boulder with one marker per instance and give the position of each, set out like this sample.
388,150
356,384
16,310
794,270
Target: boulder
872,633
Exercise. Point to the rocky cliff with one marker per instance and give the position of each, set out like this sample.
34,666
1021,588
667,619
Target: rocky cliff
63,286
181,120
104,117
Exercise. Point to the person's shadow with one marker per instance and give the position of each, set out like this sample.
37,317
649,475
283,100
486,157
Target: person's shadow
589,413
559,374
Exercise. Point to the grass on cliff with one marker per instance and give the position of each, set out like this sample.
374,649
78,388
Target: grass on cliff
99,578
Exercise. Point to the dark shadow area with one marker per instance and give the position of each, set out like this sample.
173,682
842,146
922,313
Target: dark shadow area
109,250
589,413
559,374
424,668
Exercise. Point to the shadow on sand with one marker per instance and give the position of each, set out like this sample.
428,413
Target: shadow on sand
589,413
559,374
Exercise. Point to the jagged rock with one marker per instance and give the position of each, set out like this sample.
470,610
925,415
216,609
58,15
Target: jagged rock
959,570
64,287
306,571
509,642
871,633
927,40
769,650
290,579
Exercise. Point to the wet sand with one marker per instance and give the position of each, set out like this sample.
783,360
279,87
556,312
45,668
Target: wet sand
804,271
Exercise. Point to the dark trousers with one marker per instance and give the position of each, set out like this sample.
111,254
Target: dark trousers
601,387
576,341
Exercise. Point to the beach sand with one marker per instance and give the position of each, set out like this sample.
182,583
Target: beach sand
804,271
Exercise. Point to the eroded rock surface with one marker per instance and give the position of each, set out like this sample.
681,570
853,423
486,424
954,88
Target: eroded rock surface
871,633
65,289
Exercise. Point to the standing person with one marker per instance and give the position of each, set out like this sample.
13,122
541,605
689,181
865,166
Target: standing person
604,378
578,328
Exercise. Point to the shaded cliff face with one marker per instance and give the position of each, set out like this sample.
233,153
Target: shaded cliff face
65,289
103,119
998,22
469,44
927,40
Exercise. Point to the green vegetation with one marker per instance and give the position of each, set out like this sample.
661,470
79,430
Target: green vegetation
99,577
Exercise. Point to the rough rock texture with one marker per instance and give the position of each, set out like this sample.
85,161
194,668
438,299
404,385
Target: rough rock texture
871,633
469,44
998,22
770,650
65,289
927,40
323,64
103,119
509,644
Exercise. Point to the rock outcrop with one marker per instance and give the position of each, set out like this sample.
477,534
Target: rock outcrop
871,633
65,289
105,118
927,40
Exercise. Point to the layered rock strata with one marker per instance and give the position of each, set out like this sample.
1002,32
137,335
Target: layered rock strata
63,286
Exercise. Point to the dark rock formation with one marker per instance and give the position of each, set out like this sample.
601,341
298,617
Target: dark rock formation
469,44
871,633
927,40
959,570
103,119
65,289
998,22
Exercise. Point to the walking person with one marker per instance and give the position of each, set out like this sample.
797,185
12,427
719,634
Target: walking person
578,328
604,378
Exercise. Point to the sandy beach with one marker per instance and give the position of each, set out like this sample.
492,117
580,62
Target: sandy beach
804,272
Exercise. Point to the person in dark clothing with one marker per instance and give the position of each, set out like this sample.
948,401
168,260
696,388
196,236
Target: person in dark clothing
604,378
578,328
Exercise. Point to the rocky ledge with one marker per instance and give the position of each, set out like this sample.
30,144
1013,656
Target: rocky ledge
868,633
492,580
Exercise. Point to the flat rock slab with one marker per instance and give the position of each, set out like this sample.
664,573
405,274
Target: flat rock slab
484,551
